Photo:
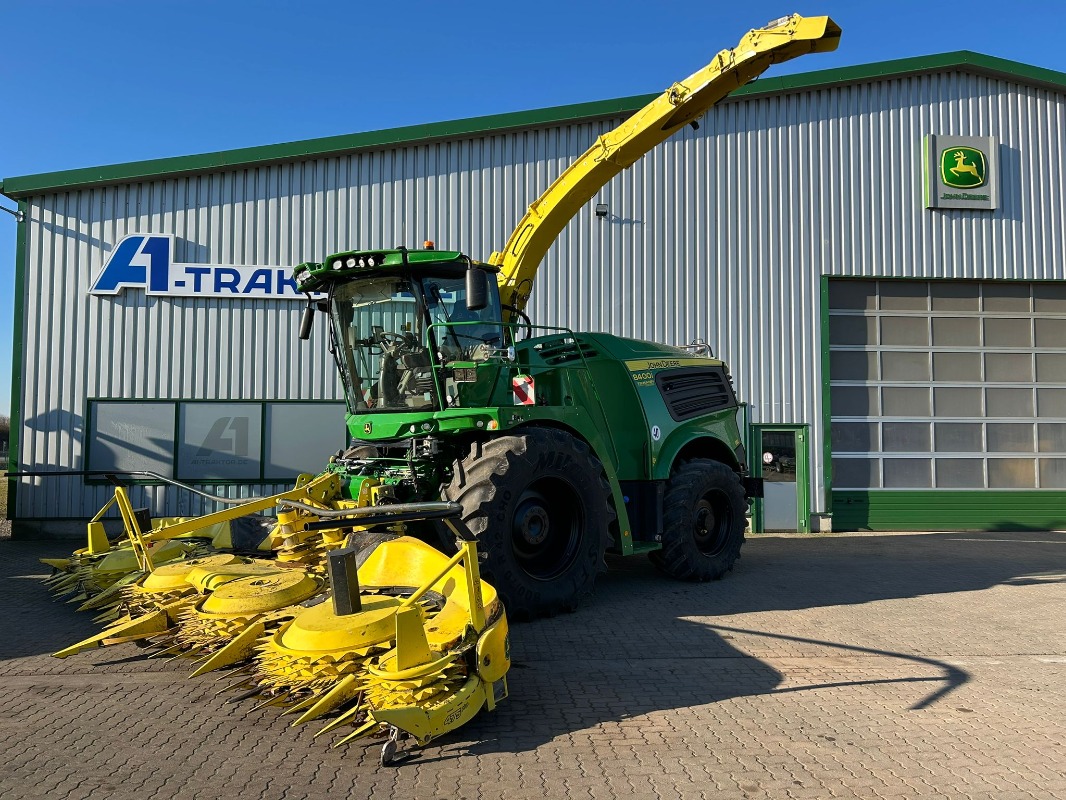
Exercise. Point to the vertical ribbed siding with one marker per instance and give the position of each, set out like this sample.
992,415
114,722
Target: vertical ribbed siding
133,346
721,233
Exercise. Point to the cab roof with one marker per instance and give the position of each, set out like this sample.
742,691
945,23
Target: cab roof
311,276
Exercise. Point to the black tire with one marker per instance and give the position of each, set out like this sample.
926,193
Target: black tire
703,521
540,506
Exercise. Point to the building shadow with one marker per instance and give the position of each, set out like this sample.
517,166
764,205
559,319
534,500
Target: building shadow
645,644
550,700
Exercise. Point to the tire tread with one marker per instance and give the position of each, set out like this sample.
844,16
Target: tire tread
680,557
479,478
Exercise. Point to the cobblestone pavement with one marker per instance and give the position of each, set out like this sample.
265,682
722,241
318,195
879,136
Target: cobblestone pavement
907,666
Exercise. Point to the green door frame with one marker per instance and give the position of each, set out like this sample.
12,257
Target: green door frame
803,473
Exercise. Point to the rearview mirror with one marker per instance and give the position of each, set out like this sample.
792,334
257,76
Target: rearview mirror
477,293
307,321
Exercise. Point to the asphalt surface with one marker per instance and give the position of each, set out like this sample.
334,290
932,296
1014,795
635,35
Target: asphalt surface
860,666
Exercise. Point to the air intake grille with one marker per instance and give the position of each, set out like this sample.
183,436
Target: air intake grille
693,391
560,351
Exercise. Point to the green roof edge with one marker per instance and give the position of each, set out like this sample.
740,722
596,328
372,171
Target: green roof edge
262,155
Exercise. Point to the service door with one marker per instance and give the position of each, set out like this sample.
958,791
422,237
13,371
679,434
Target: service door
781,457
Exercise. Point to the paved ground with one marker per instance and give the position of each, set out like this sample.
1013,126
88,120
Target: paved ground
909,666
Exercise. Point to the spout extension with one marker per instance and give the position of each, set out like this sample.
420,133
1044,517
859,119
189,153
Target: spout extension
682,104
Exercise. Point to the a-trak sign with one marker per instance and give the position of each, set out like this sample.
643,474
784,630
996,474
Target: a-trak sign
146,261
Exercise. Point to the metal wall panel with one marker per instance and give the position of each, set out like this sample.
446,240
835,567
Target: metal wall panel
721,233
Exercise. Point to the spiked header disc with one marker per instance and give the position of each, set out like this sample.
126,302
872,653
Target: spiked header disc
172,576
319,629
209,577
258,594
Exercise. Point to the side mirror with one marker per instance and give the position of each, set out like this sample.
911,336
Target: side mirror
307,321
477,293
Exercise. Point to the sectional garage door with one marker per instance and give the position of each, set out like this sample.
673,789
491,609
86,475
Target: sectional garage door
949,385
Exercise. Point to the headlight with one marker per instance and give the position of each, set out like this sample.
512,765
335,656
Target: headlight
351,262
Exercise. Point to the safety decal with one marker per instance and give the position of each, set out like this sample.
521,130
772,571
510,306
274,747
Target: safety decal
524,394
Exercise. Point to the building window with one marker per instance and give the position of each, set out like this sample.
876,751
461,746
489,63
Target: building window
214,441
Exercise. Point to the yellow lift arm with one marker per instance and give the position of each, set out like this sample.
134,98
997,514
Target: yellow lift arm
781,40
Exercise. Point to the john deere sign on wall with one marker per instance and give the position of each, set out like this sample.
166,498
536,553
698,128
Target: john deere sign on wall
961,172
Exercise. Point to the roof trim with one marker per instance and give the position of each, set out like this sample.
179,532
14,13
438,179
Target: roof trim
252,157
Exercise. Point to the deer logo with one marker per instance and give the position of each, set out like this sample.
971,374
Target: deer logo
963,167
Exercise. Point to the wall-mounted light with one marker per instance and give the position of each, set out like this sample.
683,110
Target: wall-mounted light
19,216
601,210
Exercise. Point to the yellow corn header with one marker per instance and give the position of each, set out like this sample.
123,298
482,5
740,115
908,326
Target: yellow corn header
376,630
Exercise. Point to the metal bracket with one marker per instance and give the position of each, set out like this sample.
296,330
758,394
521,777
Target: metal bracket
389,749
18,215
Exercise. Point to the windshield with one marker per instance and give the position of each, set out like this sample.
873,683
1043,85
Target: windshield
384,327
460,334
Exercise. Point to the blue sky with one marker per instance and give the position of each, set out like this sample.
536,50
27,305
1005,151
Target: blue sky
104,82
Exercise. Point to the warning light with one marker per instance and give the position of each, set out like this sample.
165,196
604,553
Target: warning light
428,244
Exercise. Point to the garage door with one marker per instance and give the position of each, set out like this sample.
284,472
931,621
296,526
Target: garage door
957,385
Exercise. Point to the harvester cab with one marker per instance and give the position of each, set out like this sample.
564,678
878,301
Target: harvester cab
401,320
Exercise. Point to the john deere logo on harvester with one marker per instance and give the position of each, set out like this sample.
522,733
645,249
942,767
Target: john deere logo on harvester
963,167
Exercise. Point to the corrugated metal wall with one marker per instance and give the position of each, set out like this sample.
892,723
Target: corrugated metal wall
721,233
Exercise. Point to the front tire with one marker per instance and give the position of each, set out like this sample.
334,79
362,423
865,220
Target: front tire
703,521
540,506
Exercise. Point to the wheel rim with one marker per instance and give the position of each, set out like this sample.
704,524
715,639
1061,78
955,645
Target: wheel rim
546,528
712,520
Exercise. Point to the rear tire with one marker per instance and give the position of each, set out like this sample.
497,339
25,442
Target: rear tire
703,521
540,506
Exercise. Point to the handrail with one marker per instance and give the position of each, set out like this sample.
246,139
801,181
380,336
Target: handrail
111,475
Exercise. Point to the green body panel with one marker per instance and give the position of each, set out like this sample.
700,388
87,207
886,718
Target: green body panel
940,510
625,374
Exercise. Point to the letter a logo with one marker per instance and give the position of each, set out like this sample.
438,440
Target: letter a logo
137,261
217,441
